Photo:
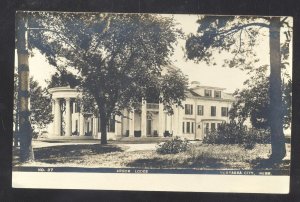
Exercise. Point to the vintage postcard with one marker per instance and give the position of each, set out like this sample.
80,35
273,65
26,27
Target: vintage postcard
152,102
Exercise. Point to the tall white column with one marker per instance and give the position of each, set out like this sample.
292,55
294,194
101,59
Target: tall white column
94,130
118,126
81,122
57,118
131,124
68,118
180,121
144,118
125,122
175,121
161,120
168,122
53,114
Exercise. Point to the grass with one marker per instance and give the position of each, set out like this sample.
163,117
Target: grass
199,156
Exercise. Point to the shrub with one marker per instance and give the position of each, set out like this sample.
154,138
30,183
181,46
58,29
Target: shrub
167,134
233,133
173,146
35,134
227,133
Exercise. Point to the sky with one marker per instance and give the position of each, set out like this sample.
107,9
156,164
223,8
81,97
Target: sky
218,76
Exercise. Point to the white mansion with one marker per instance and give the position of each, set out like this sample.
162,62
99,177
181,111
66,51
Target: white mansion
204,109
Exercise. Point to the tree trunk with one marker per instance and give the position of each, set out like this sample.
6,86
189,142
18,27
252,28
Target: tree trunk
16,137
103,124
25,130
276,105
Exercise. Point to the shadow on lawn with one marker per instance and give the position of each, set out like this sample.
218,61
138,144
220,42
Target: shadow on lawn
176,163
260,163
71,153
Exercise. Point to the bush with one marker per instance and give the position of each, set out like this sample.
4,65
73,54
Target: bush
167,134
227,133
35,134
233,133
173,146
137,133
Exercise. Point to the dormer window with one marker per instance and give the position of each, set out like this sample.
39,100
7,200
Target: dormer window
217,94
207,93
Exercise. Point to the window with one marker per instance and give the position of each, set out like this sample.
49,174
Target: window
200,110
213,126
218,125
188,109
99,125
92,125
224,111
192,127
217,94
207,93
76,108
76,126
213,111
188,127
111,125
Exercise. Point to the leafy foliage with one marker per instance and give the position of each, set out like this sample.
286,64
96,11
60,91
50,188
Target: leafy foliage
235,133
253,101
117,56
40,105
173,146
173,87
63,78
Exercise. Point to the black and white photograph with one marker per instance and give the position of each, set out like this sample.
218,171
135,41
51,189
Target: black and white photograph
163,102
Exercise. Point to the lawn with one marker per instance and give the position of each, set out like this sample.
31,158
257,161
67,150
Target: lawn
200,156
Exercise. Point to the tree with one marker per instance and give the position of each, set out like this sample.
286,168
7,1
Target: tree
253,101
117,56
63,78
25,130
239,35
40,113
40,105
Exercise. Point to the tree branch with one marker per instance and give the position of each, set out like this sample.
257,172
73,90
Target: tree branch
239,27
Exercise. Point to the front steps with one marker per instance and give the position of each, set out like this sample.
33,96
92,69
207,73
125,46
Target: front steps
143,139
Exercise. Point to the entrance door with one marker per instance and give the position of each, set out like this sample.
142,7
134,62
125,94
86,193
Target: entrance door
199,135
149,127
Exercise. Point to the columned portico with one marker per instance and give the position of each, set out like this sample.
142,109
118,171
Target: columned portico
60,94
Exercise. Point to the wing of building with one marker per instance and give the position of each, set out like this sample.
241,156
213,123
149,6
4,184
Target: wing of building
205,108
